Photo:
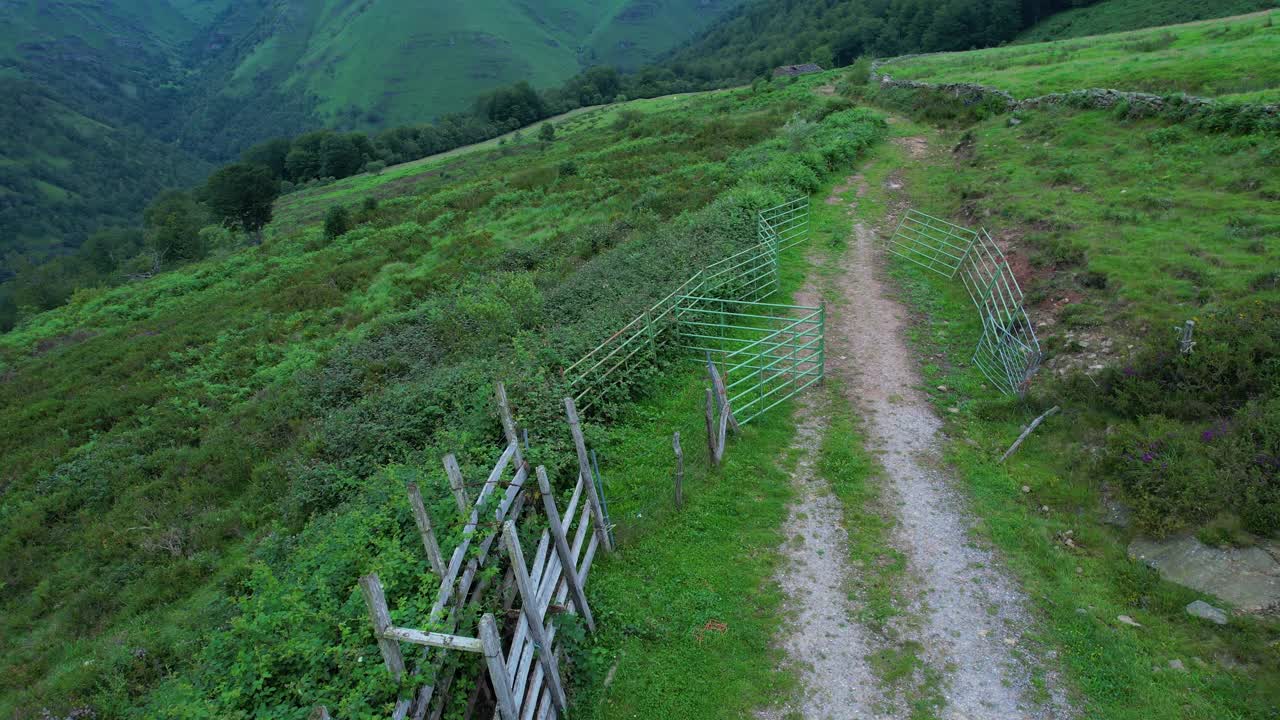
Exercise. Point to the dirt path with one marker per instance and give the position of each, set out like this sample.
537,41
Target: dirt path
967,615
826,647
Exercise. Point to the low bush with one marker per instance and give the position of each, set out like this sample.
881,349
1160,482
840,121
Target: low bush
1203,429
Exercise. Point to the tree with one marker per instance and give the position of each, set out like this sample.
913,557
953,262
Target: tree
272,154
241,195
172,225
105,250
341,156
336,222
547,132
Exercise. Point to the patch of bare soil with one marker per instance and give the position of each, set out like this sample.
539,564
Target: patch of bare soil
916,147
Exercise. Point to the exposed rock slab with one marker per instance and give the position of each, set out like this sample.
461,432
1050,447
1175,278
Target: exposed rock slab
1248,578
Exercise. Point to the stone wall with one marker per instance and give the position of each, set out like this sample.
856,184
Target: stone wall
1242,117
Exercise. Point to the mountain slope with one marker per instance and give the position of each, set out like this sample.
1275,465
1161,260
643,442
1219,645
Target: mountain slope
397,62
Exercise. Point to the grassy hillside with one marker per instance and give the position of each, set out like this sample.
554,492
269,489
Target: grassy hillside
111,103
1232,59
1113,16
202,514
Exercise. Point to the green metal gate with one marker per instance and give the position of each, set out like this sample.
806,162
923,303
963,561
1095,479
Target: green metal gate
1008,352
766,352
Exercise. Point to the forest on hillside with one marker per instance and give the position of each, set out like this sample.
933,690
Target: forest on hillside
765,34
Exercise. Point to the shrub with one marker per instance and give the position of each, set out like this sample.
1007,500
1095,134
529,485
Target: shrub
337,222
1166,476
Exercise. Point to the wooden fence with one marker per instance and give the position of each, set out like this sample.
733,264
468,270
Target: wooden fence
519,645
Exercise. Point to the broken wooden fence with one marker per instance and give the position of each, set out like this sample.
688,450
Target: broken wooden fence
521,657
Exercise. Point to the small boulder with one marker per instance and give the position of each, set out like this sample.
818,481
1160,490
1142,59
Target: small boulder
1128,621
1205,611
1176,664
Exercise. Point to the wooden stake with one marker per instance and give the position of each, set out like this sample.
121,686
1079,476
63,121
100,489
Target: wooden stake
497,667
380,616
584,468
562,549
455,483
1034,424
424,528
675,444
533,616
1185,343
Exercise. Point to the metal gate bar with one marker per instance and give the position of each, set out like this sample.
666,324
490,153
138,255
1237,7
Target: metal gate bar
720,310
931,242
1008,351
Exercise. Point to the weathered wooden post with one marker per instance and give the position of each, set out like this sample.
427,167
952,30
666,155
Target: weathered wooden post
380,616
567,566
533,616
508,424
588,479
424,528
722,394
498,674
455,483
1185,343
675,444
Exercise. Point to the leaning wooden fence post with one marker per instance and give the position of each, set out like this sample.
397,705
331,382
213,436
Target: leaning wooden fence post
588,479
533,615
380,616
1034,424
424,528
675,444
713,456
455,483
567,566
722,395
508,424
497,667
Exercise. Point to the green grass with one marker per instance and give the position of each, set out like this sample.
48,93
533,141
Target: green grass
1112,16
690,590
1078,591
1232,59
